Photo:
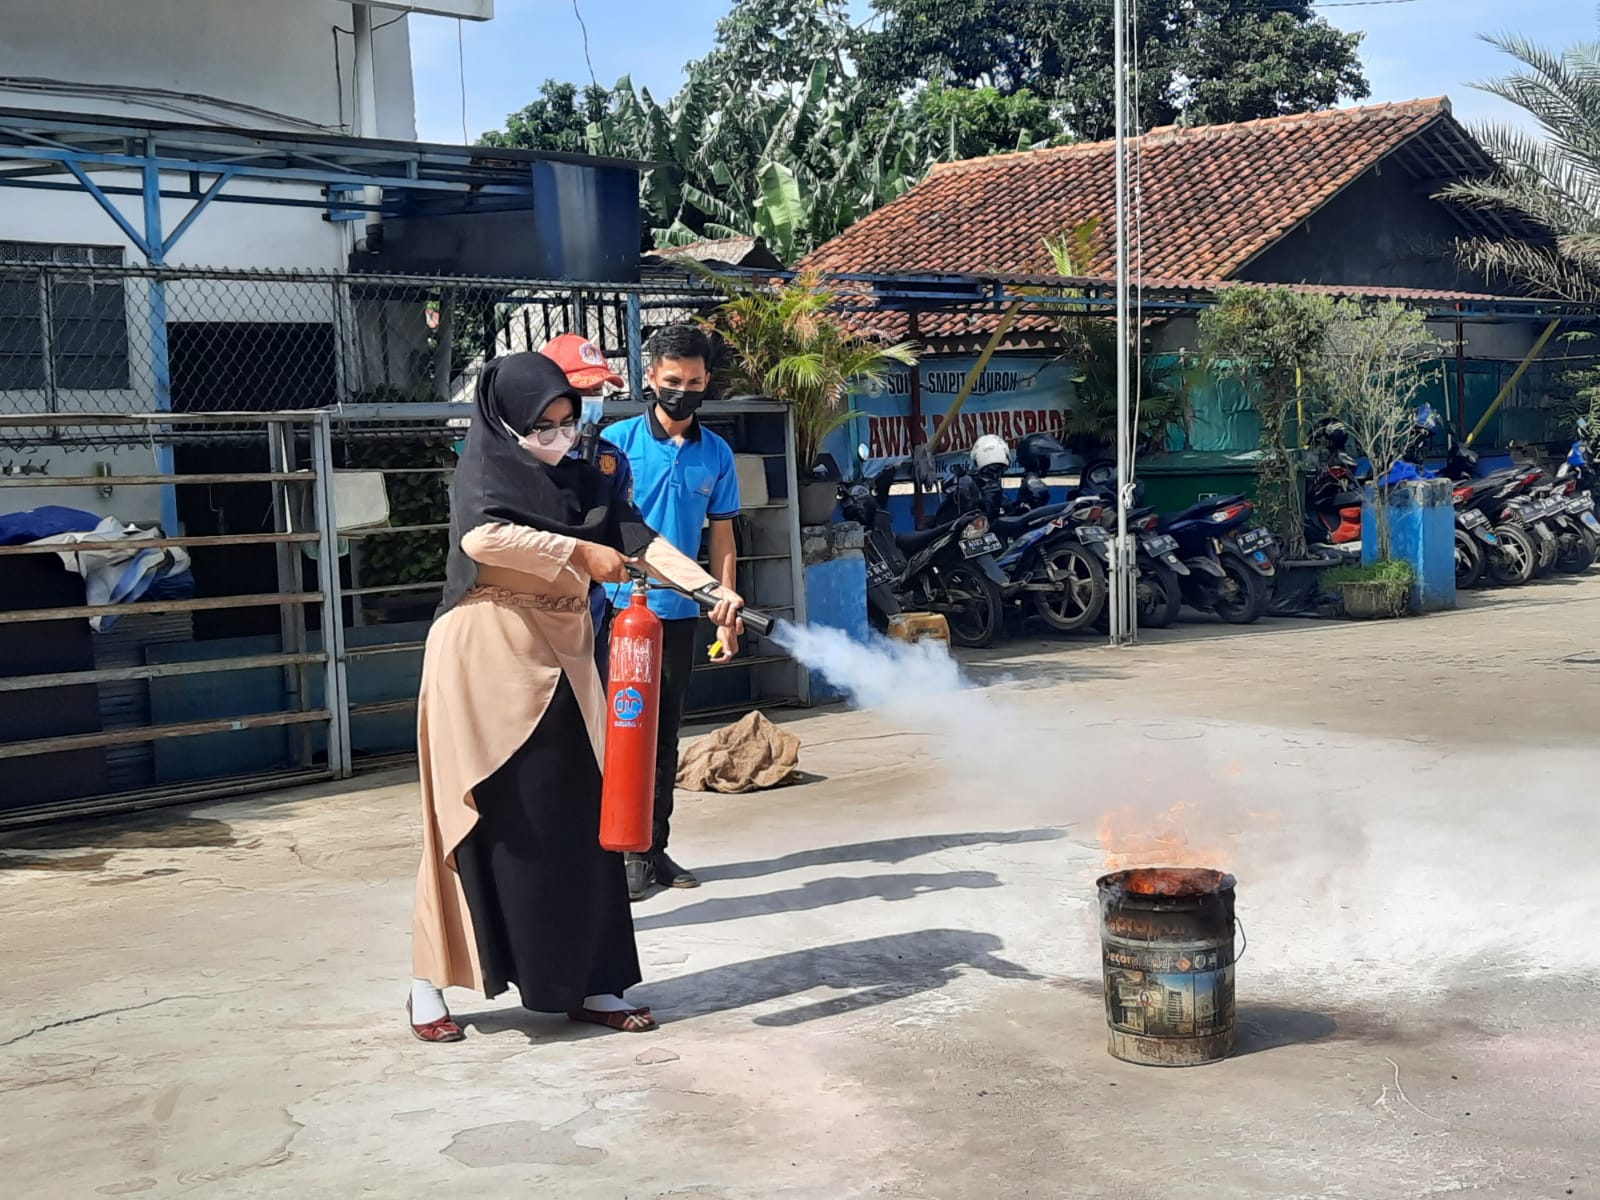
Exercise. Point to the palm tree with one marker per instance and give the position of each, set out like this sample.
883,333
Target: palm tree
786,342
1552,179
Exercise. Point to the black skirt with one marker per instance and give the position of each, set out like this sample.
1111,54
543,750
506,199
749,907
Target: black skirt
549,906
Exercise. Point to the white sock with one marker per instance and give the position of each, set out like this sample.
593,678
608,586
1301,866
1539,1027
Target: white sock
427,1003
606,1004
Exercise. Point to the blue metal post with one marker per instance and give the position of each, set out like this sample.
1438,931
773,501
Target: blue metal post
160,367
635,350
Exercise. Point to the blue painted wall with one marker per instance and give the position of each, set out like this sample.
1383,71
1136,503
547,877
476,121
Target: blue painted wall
1422,531
836,596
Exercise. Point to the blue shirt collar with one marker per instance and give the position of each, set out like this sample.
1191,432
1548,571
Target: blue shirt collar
659,431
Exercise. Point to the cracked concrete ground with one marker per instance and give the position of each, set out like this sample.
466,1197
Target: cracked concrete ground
888,984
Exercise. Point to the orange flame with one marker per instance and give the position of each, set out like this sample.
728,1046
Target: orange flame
1131,838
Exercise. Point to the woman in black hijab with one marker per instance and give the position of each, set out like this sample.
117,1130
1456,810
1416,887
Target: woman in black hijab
514,887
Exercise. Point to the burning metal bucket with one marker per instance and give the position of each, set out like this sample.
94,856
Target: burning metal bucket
1166,939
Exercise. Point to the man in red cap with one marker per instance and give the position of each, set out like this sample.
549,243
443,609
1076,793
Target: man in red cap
590,375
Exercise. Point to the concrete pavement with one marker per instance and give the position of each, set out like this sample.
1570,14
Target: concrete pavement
888,985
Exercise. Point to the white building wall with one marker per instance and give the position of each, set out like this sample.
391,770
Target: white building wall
252,64
272,55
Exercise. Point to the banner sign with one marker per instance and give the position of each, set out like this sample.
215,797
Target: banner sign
1016,395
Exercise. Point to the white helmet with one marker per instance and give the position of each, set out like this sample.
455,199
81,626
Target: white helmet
991,451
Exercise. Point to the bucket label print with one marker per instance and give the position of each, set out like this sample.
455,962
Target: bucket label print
1176,992
631,660
628,705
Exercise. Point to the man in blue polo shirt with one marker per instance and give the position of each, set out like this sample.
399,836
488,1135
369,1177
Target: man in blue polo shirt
683,478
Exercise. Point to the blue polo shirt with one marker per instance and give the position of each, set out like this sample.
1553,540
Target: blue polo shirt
676,488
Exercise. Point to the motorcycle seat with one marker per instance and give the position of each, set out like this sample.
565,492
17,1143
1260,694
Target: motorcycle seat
1202,509
1014,525
911,543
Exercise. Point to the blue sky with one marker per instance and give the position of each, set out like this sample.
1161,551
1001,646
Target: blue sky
1413,49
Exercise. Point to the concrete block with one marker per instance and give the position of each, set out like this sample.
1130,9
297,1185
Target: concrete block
1422,532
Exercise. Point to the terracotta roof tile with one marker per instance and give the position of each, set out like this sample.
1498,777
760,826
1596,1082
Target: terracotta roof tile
1212,197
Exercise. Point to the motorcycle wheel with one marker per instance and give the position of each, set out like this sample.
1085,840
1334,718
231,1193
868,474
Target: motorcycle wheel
1470,561
974,607
1159,597
1242,596
1545,555
1511,563
1081,598
1576,552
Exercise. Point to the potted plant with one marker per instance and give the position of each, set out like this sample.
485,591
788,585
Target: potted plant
786,341
1372,365
1367,593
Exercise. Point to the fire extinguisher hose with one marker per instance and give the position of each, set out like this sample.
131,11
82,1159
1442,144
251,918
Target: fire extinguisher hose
706,597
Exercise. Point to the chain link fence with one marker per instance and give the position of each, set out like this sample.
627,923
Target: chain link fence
80,332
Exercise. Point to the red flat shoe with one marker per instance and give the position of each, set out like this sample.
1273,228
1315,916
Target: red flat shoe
628,1020
442,1030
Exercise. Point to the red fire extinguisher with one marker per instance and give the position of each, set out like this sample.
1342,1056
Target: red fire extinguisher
628,787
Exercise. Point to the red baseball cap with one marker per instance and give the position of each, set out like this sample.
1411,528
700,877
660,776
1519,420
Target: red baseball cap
581,360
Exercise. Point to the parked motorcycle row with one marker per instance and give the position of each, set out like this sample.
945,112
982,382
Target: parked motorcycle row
1512,525
989,563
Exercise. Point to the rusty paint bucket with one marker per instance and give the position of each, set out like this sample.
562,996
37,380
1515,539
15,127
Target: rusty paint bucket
1166,941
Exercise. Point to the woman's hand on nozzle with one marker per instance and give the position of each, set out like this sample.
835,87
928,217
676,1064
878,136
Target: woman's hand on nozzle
725,613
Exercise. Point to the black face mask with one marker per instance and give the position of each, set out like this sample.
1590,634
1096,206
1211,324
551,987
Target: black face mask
678,404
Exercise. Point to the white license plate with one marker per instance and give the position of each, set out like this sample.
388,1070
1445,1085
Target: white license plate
986,544
1155,547
1091,533
1254,539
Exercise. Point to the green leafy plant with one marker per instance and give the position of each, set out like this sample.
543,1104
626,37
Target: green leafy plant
1390,570
1374,362
1271,341
786,342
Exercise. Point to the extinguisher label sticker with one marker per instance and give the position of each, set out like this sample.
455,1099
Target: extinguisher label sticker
628,705
632,661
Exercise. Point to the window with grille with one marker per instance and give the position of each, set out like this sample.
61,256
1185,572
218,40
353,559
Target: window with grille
61,331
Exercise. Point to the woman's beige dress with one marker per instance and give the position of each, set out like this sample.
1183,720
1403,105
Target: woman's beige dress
525,623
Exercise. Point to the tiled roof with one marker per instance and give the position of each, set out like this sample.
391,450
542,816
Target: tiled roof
964,328
1212,197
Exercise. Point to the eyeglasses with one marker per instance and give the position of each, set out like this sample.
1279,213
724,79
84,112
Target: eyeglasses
546,435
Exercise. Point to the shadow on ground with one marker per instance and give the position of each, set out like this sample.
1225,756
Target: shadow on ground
818,893
889,851
862,975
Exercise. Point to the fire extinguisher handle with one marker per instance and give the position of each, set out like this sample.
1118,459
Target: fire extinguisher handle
756,622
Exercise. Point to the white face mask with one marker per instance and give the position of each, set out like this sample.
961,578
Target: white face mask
559,444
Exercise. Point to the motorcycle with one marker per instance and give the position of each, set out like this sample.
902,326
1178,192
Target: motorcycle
1052,557
1159,571
1530,521
947,569
1234,561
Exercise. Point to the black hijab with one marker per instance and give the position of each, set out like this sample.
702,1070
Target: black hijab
497,482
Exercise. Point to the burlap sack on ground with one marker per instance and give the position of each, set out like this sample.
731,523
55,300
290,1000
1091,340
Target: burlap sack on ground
746,756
